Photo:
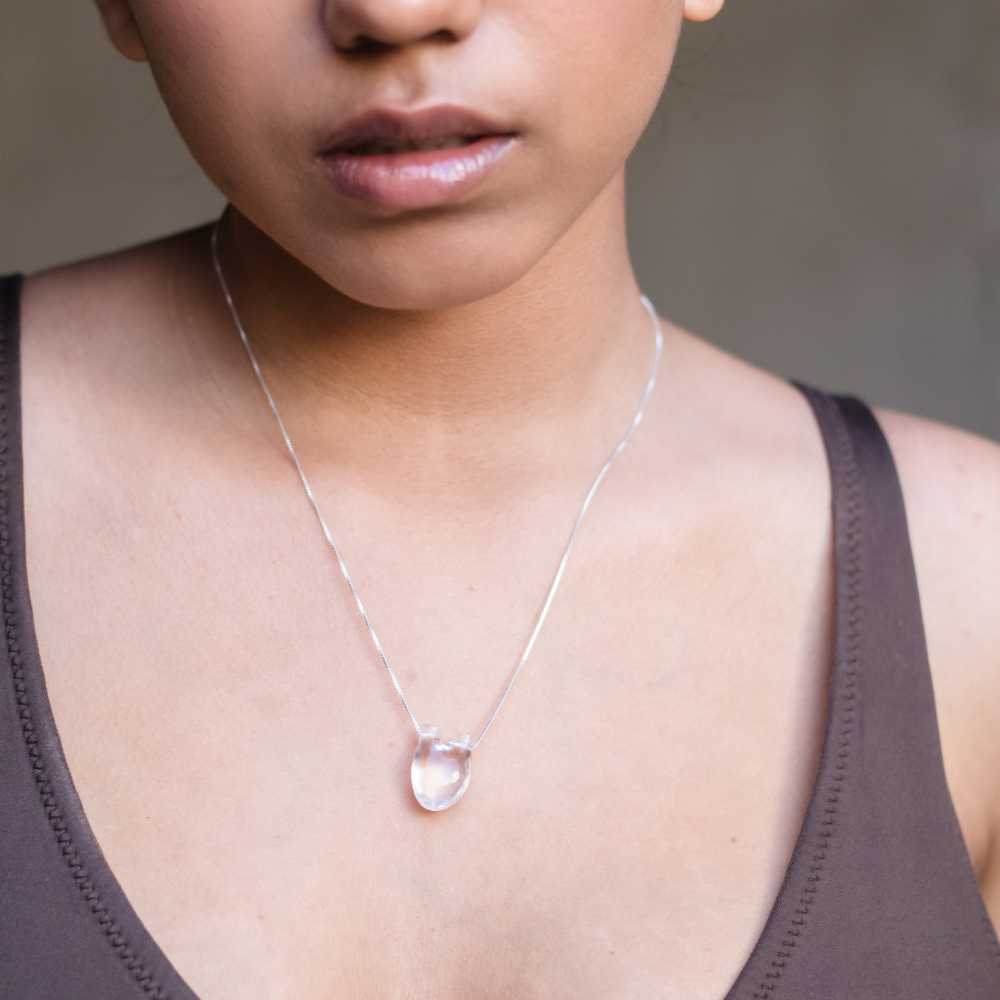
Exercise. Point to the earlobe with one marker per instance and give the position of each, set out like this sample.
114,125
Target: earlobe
121,28
702,10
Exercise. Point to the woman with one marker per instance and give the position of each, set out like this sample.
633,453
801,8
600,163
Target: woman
719,773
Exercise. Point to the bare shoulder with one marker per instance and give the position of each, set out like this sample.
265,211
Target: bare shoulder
79,305
104,377
89,322
950,479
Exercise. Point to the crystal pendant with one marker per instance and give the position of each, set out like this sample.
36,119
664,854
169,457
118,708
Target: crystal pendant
440,769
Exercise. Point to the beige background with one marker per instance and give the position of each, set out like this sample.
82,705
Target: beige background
818,192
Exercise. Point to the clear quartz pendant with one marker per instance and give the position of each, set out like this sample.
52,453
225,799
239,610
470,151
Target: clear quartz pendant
440,769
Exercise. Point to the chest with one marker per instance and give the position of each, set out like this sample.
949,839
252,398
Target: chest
244,759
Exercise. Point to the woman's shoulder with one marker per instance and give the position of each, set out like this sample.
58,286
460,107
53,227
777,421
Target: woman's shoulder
99,358
950,478
82,295
102,319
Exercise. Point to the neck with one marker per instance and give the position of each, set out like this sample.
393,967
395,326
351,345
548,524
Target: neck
544,375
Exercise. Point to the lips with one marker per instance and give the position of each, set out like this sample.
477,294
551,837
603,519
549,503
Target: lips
399,181
389,160
391,128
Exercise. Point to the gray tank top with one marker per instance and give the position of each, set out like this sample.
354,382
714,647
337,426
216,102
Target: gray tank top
879,900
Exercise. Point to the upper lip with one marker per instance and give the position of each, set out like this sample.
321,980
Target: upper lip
389,124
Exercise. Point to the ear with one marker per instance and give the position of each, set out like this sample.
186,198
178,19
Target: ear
702,10
120,26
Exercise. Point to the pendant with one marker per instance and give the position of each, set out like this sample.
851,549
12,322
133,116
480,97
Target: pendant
440,769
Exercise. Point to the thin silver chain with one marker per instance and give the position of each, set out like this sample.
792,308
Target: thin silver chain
326,531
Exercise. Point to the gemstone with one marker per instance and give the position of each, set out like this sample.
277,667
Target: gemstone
440,769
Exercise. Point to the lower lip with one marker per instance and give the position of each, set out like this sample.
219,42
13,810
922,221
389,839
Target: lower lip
416,178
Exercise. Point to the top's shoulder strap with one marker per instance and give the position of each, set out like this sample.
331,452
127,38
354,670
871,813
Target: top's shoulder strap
10,302
10,363
874,554
902,849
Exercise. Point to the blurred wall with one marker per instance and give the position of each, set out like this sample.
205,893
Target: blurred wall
819,190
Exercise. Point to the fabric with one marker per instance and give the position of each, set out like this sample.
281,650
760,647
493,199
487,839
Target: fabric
879,900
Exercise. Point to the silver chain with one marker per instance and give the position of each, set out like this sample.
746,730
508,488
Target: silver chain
326,531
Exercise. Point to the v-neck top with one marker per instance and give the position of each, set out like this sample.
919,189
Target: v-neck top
879,900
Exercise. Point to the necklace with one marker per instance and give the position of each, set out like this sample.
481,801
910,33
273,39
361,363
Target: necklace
440,770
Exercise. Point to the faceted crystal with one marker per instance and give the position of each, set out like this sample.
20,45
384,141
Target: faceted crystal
440,769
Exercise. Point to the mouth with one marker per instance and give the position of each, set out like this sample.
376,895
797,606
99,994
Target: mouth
394,159
391,130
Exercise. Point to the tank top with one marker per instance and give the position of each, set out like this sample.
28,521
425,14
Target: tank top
879,900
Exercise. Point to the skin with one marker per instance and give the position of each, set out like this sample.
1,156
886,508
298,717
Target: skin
452,381
459,359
